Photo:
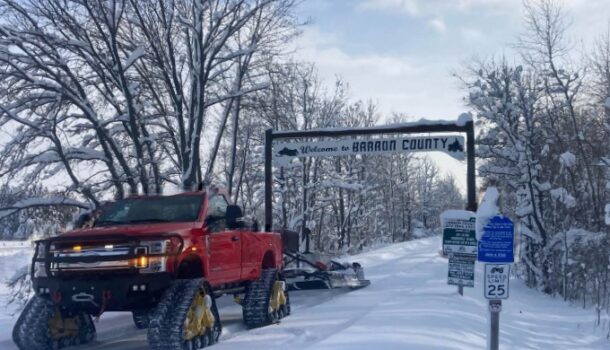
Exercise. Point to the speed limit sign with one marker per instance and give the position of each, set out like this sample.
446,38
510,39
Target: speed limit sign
496,281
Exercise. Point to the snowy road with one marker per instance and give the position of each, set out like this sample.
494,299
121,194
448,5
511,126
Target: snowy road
408,306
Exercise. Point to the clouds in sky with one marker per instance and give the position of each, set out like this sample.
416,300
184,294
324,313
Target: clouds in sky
398,53
401,53
410,7
392,80
438,24
417,8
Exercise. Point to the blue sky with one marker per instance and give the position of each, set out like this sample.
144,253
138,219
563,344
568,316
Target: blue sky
401,53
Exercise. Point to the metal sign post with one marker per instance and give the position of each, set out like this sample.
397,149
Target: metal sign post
495,306
496,288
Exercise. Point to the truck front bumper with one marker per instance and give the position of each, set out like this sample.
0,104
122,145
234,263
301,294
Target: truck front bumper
96,293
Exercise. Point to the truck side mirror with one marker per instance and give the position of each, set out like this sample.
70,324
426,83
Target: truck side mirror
83,219
233,214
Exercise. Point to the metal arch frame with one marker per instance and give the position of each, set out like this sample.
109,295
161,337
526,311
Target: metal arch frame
467,128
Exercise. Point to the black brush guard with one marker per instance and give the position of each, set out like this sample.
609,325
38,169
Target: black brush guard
93,290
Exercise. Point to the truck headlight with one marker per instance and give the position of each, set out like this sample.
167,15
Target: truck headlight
154,264
40,251
39,266
39,269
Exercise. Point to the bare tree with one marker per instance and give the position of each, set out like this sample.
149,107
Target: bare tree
194,48
116,95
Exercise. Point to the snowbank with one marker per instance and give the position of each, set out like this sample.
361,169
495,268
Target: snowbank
14,258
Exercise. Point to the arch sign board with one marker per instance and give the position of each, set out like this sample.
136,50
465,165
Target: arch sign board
285,152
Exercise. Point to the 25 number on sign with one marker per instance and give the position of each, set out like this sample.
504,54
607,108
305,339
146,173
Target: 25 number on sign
496,281
496,291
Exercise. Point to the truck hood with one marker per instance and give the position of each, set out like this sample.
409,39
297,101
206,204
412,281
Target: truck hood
133,230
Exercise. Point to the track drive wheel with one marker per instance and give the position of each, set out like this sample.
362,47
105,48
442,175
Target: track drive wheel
186,318
43,326
266,301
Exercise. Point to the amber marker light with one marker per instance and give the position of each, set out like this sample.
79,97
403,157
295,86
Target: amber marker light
142,262
77,248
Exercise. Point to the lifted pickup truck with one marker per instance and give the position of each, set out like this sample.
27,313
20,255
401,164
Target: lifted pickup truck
164,258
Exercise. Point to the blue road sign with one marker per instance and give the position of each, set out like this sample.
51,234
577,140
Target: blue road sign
496,244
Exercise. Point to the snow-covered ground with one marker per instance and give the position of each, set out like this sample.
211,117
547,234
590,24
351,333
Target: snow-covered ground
13,256
408,306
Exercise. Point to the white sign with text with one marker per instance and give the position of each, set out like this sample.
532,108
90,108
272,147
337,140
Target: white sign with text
285,152
496,281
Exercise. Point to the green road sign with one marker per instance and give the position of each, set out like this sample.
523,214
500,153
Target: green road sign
459,235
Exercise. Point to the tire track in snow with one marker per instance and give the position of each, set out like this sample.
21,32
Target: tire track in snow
300,337
117,331
388,298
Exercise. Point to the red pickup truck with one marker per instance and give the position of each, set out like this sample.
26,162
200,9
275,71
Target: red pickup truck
164,258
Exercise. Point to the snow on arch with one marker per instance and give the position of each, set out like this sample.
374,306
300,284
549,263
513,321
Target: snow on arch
462,120
466,117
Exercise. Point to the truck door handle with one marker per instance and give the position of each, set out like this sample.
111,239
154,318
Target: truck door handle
235,238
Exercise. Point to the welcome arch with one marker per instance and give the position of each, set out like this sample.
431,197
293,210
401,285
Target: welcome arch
281,149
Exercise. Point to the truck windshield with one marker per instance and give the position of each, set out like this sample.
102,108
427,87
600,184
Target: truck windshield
150,210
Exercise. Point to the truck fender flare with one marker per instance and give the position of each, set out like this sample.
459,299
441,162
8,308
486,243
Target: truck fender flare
268,260
191,266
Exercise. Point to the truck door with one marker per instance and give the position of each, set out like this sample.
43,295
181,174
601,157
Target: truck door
225,245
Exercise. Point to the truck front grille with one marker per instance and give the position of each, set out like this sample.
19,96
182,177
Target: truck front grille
96,252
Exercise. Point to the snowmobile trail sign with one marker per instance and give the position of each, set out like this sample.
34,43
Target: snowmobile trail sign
285,152
460,243
496,244
461,270
459,236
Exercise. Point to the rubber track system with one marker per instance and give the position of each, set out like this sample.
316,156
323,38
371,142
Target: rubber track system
31,331
166,327
255,306
141,318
